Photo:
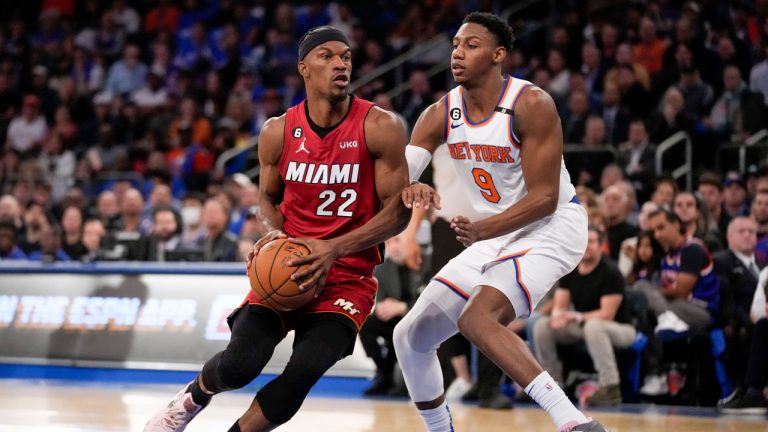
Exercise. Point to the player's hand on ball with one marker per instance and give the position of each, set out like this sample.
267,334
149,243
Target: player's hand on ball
466,231
319,261
272,235
419,195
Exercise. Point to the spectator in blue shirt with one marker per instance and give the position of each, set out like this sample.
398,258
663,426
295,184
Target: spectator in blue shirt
128,74
8,248
689,298
50,246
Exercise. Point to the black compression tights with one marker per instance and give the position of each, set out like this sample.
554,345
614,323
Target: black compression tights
256,331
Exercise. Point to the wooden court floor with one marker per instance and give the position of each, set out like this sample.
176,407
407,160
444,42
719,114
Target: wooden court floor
43,406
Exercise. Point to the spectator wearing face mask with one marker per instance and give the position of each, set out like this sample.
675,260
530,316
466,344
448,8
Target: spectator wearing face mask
192,228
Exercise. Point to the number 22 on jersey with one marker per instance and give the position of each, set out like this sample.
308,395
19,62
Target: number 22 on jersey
329,196
484,181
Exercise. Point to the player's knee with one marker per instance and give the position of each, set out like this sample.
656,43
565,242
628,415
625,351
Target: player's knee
468,322
234,374
400,337
240,364
221,373
404,338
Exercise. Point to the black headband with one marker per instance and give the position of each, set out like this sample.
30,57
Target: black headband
317,36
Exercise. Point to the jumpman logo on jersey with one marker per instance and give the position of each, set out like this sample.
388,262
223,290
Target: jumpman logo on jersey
301,146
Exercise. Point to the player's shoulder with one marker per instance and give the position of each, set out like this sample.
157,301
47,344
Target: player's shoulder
437,109
432,120
271,139
273,128
379,117
534,98
381,124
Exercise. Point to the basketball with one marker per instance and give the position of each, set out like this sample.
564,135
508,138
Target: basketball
270,276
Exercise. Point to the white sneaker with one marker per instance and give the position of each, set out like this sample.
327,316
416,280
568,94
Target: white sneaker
176,416
654,385
671,322
457,389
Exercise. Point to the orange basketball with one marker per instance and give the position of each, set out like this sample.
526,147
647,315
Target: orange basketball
270,276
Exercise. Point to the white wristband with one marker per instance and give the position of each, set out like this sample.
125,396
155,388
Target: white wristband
418,158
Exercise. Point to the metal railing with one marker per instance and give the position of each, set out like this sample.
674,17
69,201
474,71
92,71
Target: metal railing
397,62
756,143
684,170
593,159
759,138
234,152
437,68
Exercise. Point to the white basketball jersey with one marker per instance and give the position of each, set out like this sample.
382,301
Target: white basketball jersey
486,155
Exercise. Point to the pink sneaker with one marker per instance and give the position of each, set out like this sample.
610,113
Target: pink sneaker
177,415
590,426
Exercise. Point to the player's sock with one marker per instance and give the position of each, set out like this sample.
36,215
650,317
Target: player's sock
199,396
438,419
235,427
545,391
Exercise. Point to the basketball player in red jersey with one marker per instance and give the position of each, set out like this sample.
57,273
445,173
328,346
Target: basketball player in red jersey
332,171
521,224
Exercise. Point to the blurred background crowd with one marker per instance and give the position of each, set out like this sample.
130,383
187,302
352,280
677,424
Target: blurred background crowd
100,97
114,117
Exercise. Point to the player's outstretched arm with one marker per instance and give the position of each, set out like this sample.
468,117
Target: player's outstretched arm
270,184
538,126
385,138
428,133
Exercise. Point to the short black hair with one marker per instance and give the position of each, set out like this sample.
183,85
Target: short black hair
664,178
711,178
498,27
639,120
163,208
176,216
669,216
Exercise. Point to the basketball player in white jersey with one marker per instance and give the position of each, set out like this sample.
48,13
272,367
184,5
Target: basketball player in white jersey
523,230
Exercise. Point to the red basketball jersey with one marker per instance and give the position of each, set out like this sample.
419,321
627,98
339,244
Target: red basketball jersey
329,182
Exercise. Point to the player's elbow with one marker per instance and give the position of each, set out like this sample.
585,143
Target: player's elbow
548,202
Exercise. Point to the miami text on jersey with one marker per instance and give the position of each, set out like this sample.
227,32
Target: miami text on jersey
315,173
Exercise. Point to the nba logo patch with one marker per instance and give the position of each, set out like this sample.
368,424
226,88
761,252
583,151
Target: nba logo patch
548,386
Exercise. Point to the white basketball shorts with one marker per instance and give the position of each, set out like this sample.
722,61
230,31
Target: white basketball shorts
524,265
